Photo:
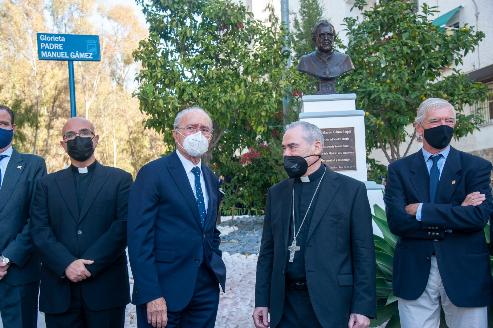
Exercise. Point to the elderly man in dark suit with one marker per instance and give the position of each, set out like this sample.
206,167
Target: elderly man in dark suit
316,266
173,240
438,202
19,264
79,220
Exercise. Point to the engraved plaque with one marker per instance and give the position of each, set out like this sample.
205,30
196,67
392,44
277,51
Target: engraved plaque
339,151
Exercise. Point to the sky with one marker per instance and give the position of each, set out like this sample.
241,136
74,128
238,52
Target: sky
131,3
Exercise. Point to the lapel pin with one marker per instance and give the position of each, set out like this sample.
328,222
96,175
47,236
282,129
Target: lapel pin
19,167
453,182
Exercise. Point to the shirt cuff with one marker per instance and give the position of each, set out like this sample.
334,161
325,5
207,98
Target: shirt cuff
418,212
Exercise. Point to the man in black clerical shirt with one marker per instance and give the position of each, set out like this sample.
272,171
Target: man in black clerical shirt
325,63
316,266
78,225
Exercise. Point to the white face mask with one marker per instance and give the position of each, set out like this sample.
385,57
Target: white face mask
196,144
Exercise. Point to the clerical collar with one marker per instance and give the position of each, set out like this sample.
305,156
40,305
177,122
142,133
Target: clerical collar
83,170
323,55
315,175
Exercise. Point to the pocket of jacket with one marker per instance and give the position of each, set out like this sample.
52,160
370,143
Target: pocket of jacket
345,279
164,255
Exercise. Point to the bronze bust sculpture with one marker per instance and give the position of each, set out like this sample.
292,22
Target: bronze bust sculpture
325,63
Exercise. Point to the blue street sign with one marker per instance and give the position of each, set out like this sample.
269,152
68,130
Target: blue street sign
74,47
70,48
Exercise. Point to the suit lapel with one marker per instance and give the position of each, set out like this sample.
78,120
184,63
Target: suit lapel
326,194
99,177
14,170
451,174
420,178
66,186
212,202
286,211
180,178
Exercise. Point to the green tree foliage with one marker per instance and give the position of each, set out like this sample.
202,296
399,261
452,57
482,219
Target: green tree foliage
309,14
214,54
401,58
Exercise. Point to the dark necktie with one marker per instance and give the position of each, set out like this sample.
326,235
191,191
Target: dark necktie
199,195
434,176
1,157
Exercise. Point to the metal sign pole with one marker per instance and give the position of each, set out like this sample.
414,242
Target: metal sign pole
71,81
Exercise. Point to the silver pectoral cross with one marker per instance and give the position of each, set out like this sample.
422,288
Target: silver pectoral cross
293,249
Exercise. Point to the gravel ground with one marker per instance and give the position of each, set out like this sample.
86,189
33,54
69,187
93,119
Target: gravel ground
241,234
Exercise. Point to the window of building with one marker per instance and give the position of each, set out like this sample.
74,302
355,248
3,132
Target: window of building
485,109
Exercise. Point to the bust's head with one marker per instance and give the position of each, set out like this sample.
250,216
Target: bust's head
323,34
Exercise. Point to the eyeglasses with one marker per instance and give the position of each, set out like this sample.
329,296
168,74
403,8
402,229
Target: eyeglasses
194,128
83,133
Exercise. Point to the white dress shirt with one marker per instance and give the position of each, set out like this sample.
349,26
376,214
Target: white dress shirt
188,166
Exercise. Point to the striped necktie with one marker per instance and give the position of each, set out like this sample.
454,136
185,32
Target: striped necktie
199,195
434,176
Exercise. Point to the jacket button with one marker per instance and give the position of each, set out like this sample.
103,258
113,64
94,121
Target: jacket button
79,232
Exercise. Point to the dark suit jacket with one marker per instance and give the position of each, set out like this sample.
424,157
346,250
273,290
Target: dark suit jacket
166,242
453,232
97,232
20,177
339,253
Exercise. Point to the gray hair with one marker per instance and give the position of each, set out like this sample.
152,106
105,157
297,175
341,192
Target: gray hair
311,132
431,104
193,109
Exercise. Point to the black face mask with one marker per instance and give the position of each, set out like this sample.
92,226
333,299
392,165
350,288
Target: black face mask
296,166
439,137
80,148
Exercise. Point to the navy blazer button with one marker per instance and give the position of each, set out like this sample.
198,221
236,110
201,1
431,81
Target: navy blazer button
79,232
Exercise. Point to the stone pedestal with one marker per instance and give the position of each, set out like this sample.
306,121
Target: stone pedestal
343,127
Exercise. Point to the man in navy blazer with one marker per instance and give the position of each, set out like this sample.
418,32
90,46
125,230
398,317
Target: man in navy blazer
173,241
19,264
438,202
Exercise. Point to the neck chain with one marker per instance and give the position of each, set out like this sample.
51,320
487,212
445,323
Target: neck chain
294,248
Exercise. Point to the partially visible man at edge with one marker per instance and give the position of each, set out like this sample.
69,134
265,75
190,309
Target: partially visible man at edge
19,263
